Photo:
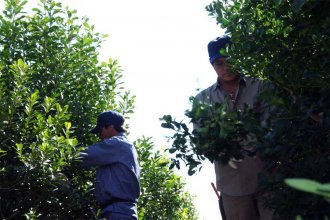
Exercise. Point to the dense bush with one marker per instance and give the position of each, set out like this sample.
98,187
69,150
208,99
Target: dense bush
287,44
164,195
52,86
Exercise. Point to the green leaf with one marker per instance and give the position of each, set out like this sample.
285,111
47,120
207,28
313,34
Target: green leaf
310,186
167,125
88,40
167,118
324,188
278,2
67,125
223,21
298,4
172,150
87,26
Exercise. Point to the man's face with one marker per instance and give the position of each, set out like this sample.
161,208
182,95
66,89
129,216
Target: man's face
106,132
222,69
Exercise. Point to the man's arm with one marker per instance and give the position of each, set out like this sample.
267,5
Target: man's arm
99,154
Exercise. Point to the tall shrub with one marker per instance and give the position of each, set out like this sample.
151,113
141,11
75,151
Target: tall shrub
287,44
52,88
164,194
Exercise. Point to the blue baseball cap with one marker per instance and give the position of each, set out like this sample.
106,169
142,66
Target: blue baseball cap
216,45
109,118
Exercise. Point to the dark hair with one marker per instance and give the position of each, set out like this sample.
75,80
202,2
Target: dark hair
116,127
119,128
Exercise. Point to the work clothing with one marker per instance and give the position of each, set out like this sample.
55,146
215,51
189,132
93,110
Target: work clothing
238,183
117,182
244,179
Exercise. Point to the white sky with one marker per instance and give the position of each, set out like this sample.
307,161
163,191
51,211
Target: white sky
162,48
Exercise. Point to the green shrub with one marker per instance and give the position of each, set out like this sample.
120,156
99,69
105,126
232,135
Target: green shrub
286,43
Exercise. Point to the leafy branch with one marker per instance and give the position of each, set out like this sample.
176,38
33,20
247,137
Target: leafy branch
217,134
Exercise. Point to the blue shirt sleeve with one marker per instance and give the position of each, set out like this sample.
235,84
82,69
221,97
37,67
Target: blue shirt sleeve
100,154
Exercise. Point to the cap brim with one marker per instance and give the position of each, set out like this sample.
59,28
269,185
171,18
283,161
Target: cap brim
212,59
95,130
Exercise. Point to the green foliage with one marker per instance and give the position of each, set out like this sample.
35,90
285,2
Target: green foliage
39,147
310,186
62,52
52,86
219,134
286,43
163,191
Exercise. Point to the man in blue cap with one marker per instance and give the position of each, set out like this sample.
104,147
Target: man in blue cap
238,180
117,182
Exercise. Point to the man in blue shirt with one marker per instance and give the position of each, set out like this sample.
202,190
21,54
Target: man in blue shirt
117,182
